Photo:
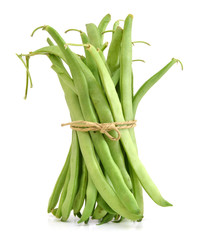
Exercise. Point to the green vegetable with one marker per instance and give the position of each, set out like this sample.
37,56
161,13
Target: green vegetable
101,179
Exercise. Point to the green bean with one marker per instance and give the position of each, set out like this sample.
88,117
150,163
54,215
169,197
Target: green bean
126,93
50,42
150,82
80,196
73,182
99,212
137,189
107,218
59,185
126,140
93,35
103,25
91,195
89,61
126,69
58,213
104,205
116,77
83,59
54,211
104,60
114,50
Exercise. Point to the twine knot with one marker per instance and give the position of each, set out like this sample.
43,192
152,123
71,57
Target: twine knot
104,128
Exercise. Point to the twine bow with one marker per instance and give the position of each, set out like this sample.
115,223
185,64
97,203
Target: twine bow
104,128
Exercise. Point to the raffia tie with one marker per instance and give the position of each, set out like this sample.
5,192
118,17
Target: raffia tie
104,128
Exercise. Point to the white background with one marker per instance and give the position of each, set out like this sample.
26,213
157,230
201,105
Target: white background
33,146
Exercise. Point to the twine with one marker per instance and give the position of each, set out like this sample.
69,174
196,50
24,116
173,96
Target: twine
104,128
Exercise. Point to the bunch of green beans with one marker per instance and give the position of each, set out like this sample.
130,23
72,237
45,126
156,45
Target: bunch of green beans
101,179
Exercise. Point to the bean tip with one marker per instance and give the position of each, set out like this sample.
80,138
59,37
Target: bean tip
178,61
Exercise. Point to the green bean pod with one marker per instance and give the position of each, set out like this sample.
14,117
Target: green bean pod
89,61
73,182
58,213
103,25
99,212
94,35
59,184
116,77
150,82
126,69
107,218
114,50
91,195
104,205
80,196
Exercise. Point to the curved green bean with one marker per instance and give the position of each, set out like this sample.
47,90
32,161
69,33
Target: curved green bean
93,35
80,196
99,212
114,50
59,184
107,218
104,205
149,83
58,213
103,25
73,182
91,195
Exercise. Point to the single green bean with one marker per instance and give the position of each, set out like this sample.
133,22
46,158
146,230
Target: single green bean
149,83
104,60
107,218
80,196
58,213
73,182
91,195
103,25
116,77
93,35
99,212
59,184
126,69
114,50
89,61
104,205
137,189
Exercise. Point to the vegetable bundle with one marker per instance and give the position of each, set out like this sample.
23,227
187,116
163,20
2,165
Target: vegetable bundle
102,177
